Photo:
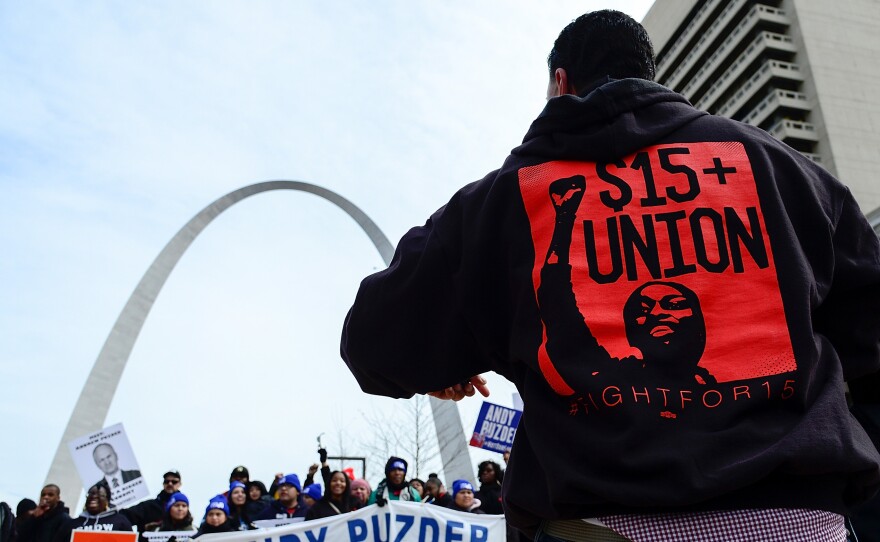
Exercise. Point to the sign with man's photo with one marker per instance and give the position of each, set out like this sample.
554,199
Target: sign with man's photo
105,457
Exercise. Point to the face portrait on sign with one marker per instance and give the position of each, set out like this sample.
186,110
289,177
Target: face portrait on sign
106,459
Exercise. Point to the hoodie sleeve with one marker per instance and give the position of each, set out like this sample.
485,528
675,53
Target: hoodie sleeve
404,334
849,316
410,329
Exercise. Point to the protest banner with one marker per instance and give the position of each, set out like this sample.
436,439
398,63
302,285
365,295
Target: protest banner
495,428
397,521
164,536
106,455
103,536
269,523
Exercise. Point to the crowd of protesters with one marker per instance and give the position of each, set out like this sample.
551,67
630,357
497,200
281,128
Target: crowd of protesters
246,502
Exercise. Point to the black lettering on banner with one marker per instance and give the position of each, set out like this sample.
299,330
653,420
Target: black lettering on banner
646,247
721,238
678,265
693,185
753,243
719,170
717,238
643,163
683,400
617,204
613,252
717,229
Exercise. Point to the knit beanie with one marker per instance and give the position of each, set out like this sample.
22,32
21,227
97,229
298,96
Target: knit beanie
234,484
24,506
313,491
175,497
218,503
458,485
291,479
360,482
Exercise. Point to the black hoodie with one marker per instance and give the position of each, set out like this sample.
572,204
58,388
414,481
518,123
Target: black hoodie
108,520
677,297
43,528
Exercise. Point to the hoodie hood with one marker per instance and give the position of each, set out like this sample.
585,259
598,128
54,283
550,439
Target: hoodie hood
613,118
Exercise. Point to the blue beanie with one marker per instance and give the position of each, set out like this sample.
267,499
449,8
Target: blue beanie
218,503
458,485
234,484
313,491
175,497
291,479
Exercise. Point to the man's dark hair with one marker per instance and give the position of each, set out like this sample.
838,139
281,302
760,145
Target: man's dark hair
58,489
602,43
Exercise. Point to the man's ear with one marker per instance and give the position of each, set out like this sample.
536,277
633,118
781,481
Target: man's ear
560,77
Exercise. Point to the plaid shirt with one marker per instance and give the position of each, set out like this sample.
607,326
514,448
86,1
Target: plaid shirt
770,525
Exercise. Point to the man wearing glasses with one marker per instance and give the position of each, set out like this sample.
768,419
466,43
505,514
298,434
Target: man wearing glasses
148,514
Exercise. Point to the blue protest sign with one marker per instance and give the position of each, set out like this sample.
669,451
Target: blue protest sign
495,428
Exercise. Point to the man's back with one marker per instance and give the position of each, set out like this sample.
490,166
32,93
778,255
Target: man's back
678,298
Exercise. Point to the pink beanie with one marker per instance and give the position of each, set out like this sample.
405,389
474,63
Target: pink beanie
360,482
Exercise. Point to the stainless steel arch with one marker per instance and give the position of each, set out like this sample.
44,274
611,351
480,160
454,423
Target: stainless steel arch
94,401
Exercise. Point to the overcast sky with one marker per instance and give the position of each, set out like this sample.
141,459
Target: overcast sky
119,121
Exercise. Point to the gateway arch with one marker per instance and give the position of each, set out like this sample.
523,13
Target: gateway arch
94,401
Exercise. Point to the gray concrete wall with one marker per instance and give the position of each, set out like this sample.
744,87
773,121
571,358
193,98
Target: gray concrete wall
663,18
842,44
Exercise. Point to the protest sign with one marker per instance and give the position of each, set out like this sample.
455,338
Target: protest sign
106,455
397,521
495,428
164,536
269,523
103,536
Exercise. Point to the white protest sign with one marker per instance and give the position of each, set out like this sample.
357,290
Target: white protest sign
107,455
397,521
163,536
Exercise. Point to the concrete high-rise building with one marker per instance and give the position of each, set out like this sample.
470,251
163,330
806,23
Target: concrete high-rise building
807,71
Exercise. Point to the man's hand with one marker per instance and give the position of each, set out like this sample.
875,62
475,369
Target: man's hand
313,468
463,389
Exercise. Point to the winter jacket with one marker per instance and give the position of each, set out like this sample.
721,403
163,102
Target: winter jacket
326,507
490,497
168,525
444,500
7,523
678,298
204,528
44,528
276,510
150,511
407,493
474,508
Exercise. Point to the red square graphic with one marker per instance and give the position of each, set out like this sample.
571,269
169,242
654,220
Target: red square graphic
683,216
